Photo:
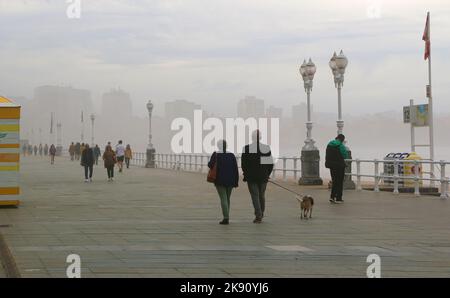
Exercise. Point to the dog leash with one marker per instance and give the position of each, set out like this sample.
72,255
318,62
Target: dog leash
300,195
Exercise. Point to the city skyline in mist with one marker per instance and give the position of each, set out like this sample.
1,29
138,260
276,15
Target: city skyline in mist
215,53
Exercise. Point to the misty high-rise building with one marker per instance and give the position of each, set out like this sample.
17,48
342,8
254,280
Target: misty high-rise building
274,112
116,104
180,109
251,106
65,103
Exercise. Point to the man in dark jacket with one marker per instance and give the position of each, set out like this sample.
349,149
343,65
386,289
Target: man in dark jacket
87,161
335,161
257,165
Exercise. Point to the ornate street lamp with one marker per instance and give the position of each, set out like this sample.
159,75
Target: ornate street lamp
150,149
338,64
310,156
92,130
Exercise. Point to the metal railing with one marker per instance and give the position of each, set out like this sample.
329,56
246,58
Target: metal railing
416,178
285,168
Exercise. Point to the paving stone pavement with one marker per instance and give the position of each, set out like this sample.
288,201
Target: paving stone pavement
162,223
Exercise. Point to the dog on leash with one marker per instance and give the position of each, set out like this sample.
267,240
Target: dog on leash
306,205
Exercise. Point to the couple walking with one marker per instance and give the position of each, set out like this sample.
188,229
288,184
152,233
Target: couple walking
256,163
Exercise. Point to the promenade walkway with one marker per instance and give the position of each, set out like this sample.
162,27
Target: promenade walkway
162,223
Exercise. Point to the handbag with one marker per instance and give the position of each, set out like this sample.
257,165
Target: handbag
212,173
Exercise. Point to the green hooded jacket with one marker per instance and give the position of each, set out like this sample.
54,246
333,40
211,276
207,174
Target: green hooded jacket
342,149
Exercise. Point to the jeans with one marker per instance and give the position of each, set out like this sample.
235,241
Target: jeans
257,192
89,169
224,194
110,171
127,162
337,177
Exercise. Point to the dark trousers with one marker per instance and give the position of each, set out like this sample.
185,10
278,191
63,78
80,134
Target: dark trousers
110,171
127,162
258,194
337,177
88,169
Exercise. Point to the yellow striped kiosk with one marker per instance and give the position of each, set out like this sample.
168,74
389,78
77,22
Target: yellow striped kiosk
9,152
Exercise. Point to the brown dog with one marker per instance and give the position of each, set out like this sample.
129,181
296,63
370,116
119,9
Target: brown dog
306,205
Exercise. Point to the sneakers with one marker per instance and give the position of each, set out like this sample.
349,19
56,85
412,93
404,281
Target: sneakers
339,201
332,200
224,222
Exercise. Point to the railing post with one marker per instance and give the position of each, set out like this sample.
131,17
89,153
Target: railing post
295,168
358,175
377,176
284,168
416,178
396,177
184,162
444,181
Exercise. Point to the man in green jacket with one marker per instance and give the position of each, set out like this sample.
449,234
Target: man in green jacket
335,160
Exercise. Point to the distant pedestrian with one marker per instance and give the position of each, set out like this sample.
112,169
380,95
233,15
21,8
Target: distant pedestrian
87,161
335,161
97,153
52,152
257,165
46,150
120,153
72,151
128,155
30,150
109,158
35,149
227,177
41,149
77,151
24,149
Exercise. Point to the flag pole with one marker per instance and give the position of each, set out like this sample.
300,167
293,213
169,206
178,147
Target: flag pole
430,103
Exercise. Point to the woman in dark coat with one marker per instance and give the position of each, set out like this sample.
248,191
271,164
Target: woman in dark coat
109,158
227,177
87,161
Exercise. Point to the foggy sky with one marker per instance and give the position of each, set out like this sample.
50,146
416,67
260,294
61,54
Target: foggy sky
214,52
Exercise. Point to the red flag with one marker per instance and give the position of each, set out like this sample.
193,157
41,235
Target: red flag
426,38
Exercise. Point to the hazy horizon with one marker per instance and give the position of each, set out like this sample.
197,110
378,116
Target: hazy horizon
216,52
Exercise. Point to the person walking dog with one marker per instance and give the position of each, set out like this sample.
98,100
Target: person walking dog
257,165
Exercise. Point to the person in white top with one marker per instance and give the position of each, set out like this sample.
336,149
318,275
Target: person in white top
120,153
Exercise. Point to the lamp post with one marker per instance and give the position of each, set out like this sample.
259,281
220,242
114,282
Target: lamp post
310,156
58,139
338,64
92,130
150,163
